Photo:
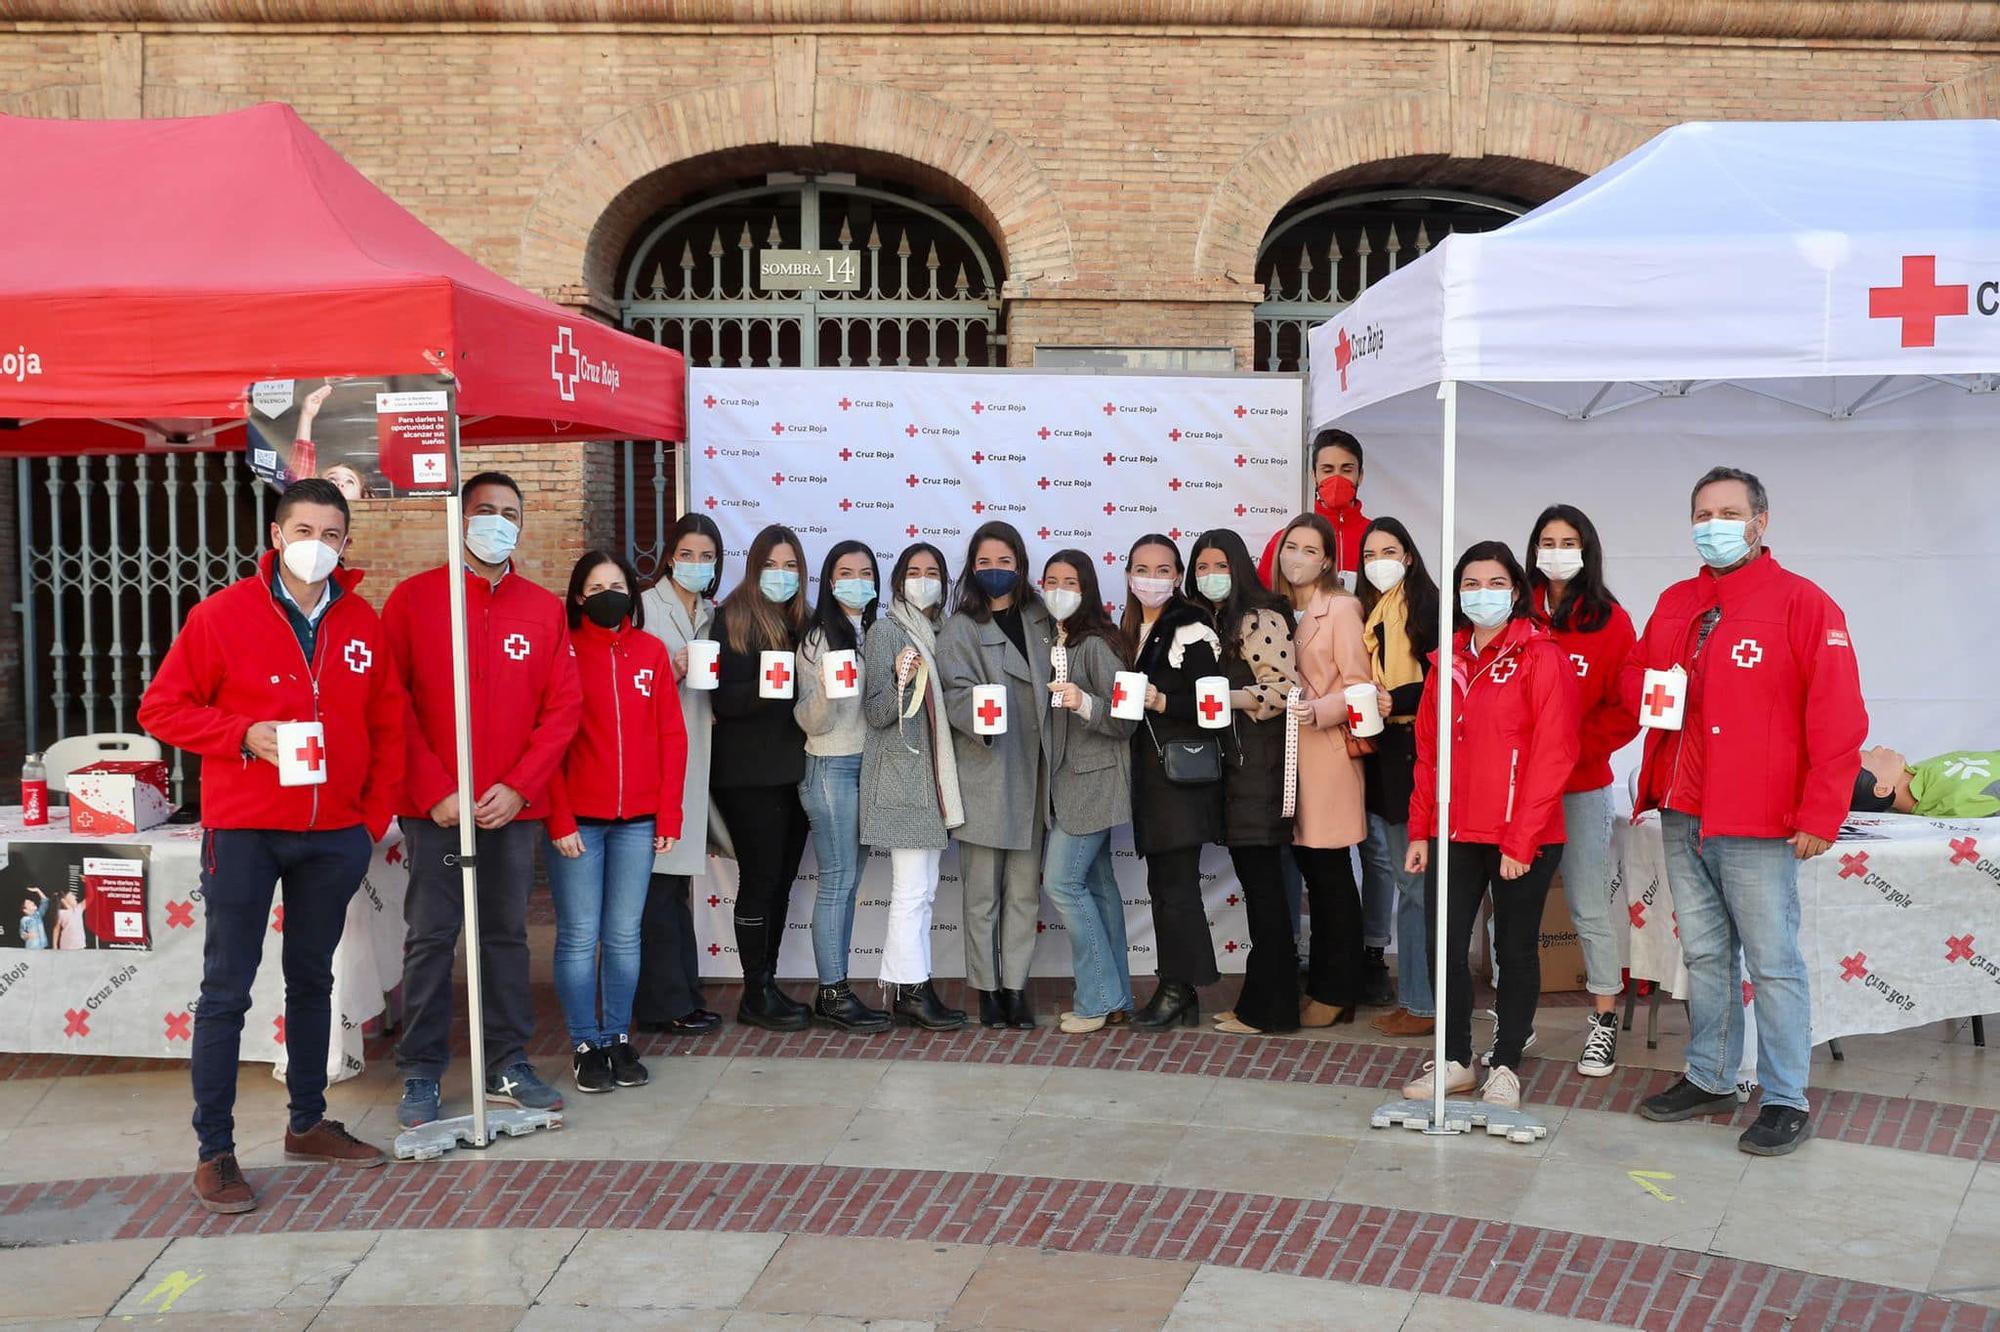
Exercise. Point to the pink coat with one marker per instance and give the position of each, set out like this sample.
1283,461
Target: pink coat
1331,656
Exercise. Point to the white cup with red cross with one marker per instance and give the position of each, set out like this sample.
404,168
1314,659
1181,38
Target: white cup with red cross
301,753
989,709
1128,695
704,663
1364,711
777,675
1663,700
840,673
1211,701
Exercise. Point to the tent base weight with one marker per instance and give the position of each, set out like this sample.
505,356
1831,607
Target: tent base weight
427,1142
1461,1116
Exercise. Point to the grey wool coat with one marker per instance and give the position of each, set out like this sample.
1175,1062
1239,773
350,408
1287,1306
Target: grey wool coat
1003,779
900,810
1090,762
668,621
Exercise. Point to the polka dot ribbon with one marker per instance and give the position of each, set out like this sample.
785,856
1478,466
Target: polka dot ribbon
1059,660
1292,696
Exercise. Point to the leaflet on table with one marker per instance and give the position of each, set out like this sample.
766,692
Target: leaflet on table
68,896
373,436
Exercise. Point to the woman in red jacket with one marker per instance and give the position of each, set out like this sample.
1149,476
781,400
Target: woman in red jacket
1595,633
1514,746
613,804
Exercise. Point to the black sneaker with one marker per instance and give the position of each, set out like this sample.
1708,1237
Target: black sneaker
1779,1131
590,1068
1600,1046
626,1070
1684,1100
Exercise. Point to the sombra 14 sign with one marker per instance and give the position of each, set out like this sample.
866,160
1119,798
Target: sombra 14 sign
809,270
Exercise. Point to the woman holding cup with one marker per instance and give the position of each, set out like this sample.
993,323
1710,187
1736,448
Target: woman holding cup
758,760
677,611
993,653
1332,813
829,712
1596,634
1090,790
909,777
1175,647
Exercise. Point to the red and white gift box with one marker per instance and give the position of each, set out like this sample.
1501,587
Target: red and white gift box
118,796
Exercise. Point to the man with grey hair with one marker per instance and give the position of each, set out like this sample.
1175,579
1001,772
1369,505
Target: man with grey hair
1756,779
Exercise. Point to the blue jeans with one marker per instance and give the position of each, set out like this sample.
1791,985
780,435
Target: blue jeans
1731,891
831,794
1382,874
1586,871
599,898
1079,878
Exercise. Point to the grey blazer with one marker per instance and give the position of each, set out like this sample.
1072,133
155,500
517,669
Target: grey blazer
1090,762
900,810
1003,780
668,621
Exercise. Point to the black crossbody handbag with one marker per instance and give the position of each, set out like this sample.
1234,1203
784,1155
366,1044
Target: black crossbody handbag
1189,762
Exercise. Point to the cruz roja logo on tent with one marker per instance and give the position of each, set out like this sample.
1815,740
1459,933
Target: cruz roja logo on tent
568,366
18,364
1920,301
1349,350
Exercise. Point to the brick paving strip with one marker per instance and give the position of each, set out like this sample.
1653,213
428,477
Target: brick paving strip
1519,1267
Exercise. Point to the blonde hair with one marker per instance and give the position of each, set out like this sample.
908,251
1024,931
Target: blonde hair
1329,578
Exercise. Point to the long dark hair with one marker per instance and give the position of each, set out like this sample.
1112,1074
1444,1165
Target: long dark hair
757,625
969,597
1501,554
691,524
1420,590
1133,615
1091,620
901,572
586,565
1246,592
829,615
1589,603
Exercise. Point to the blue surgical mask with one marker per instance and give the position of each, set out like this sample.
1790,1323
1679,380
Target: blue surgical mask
491,537
996,583
1487,607
1214,586
693,575
778,584
854,593
1722,542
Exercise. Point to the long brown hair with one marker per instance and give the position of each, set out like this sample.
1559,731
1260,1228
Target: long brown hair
755,623
1134,614
1329,581
1090,620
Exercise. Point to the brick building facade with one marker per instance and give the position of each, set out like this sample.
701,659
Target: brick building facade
1124,159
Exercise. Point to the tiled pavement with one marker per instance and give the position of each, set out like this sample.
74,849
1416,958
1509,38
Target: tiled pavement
1031,1180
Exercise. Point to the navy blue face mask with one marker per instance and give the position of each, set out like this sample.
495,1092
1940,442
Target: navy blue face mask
996,583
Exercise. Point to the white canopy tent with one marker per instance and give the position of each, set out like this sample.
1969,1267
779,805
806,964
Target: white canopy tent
1816,302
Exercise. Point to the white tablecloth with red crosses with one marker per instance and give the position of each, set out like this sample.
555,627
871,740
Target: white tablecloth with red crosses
142,1003
1900,921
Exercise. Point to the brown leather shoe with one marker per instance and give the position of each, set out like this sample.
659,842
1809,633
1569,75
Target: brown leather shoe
220,1187
1403,1022
329,1140
1313,1013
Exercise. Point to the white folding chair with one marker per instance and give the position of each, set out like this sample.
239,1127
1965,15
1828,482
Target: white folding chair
65,756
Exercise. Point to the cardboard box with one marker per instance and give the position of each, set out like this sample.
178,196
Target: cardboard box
118,796
1562,951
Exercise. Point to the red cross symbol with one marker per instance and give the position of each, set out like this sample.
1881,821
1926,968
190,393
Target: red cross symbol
708,452
1110,557
715,950
643,682
1110,609
1505,671
846,455
1109,410
180,1026
911,480
777,478
1175,434
358,657
777,427
911,530
910,430
847,675
1241,411
709,401
978,458
1043,483
1749,993
778,675
1240,511
1175,534
1110,508
989,712
1043,432
1343,356
1041,927
394,855
710,501
979,506
278,918
1747,653
1964,851
1658,700
1353,717
845,404
1240,460
76,1022
1854,865
1637,912
846,504
515,646
978,407
714,901
1210,706
1676,918
180,915
1854,968
1109,458
1919,302
1118,701
1231,899
278,1028
1043,533
1229,946
311,753
1173,483
1959,949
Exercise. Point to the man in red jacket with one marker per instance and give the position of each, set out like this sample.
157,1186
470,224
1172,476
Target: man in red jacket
1756,779
293,642
526,706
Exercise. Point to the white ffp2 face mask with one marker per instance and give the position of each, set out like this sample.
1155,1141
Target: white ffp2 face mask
1384,574
1062,602
310,561
923,593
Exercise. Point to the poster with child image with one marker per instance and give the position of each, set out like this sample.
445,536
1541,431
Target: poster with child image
373,436
70,896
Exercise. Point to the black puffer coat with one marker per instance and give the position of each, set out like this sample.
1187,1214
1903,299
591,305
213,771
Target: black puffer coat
1166,817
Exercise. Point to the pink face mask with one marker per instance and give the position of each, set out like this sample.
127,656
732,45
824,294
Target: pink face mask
1150,592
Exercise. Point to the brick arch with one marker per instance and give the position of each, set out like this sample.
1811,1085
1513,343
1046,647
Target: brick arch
1971,96
610,184
1347,135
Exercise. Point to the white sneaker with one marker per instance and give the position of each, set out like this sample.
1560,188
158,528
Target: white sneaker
1600,1047
1457,1078
1502,1089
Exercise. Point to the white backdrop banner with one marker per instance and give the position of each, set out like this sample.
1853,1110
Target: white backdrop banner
894,456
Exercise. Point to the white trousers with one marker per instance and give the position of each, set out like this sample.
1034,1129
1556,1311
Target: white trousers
906,947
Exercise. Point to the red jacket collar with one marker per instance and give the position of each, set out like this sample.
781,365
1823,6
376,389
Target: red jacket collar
1753,577
267,569
588,634
1517,635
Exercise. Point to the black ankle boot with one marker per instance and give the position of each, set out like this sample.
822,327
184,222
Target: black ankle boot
919,1006
992,1009
1173,1004
1019,1015
837,1006
1378,987
765,1005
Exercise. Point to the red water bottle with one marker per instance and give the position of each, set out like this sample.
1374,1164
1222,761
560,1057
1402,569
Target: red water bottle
34,792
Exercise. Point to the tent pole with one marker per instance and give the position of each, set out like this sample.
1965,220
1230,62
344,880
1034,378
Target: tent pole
1440,854
468,856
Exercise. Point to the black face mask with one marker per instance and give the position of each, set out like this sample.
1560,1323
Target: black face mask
608,609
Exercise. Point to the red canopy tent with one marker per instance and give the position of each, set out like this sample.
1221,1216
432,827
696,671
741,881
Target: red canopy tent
154,268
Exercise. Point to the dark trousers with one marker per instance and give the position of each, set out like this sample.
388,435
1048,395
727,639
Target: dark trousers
1183,944
434,911
669,968
240,871
1334,969
1269,1000
767,826
1517,929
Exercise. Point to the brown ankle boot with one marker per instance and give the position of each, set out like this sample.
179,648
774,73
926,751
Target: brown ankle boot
220,1187
329,1140
1403,1022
